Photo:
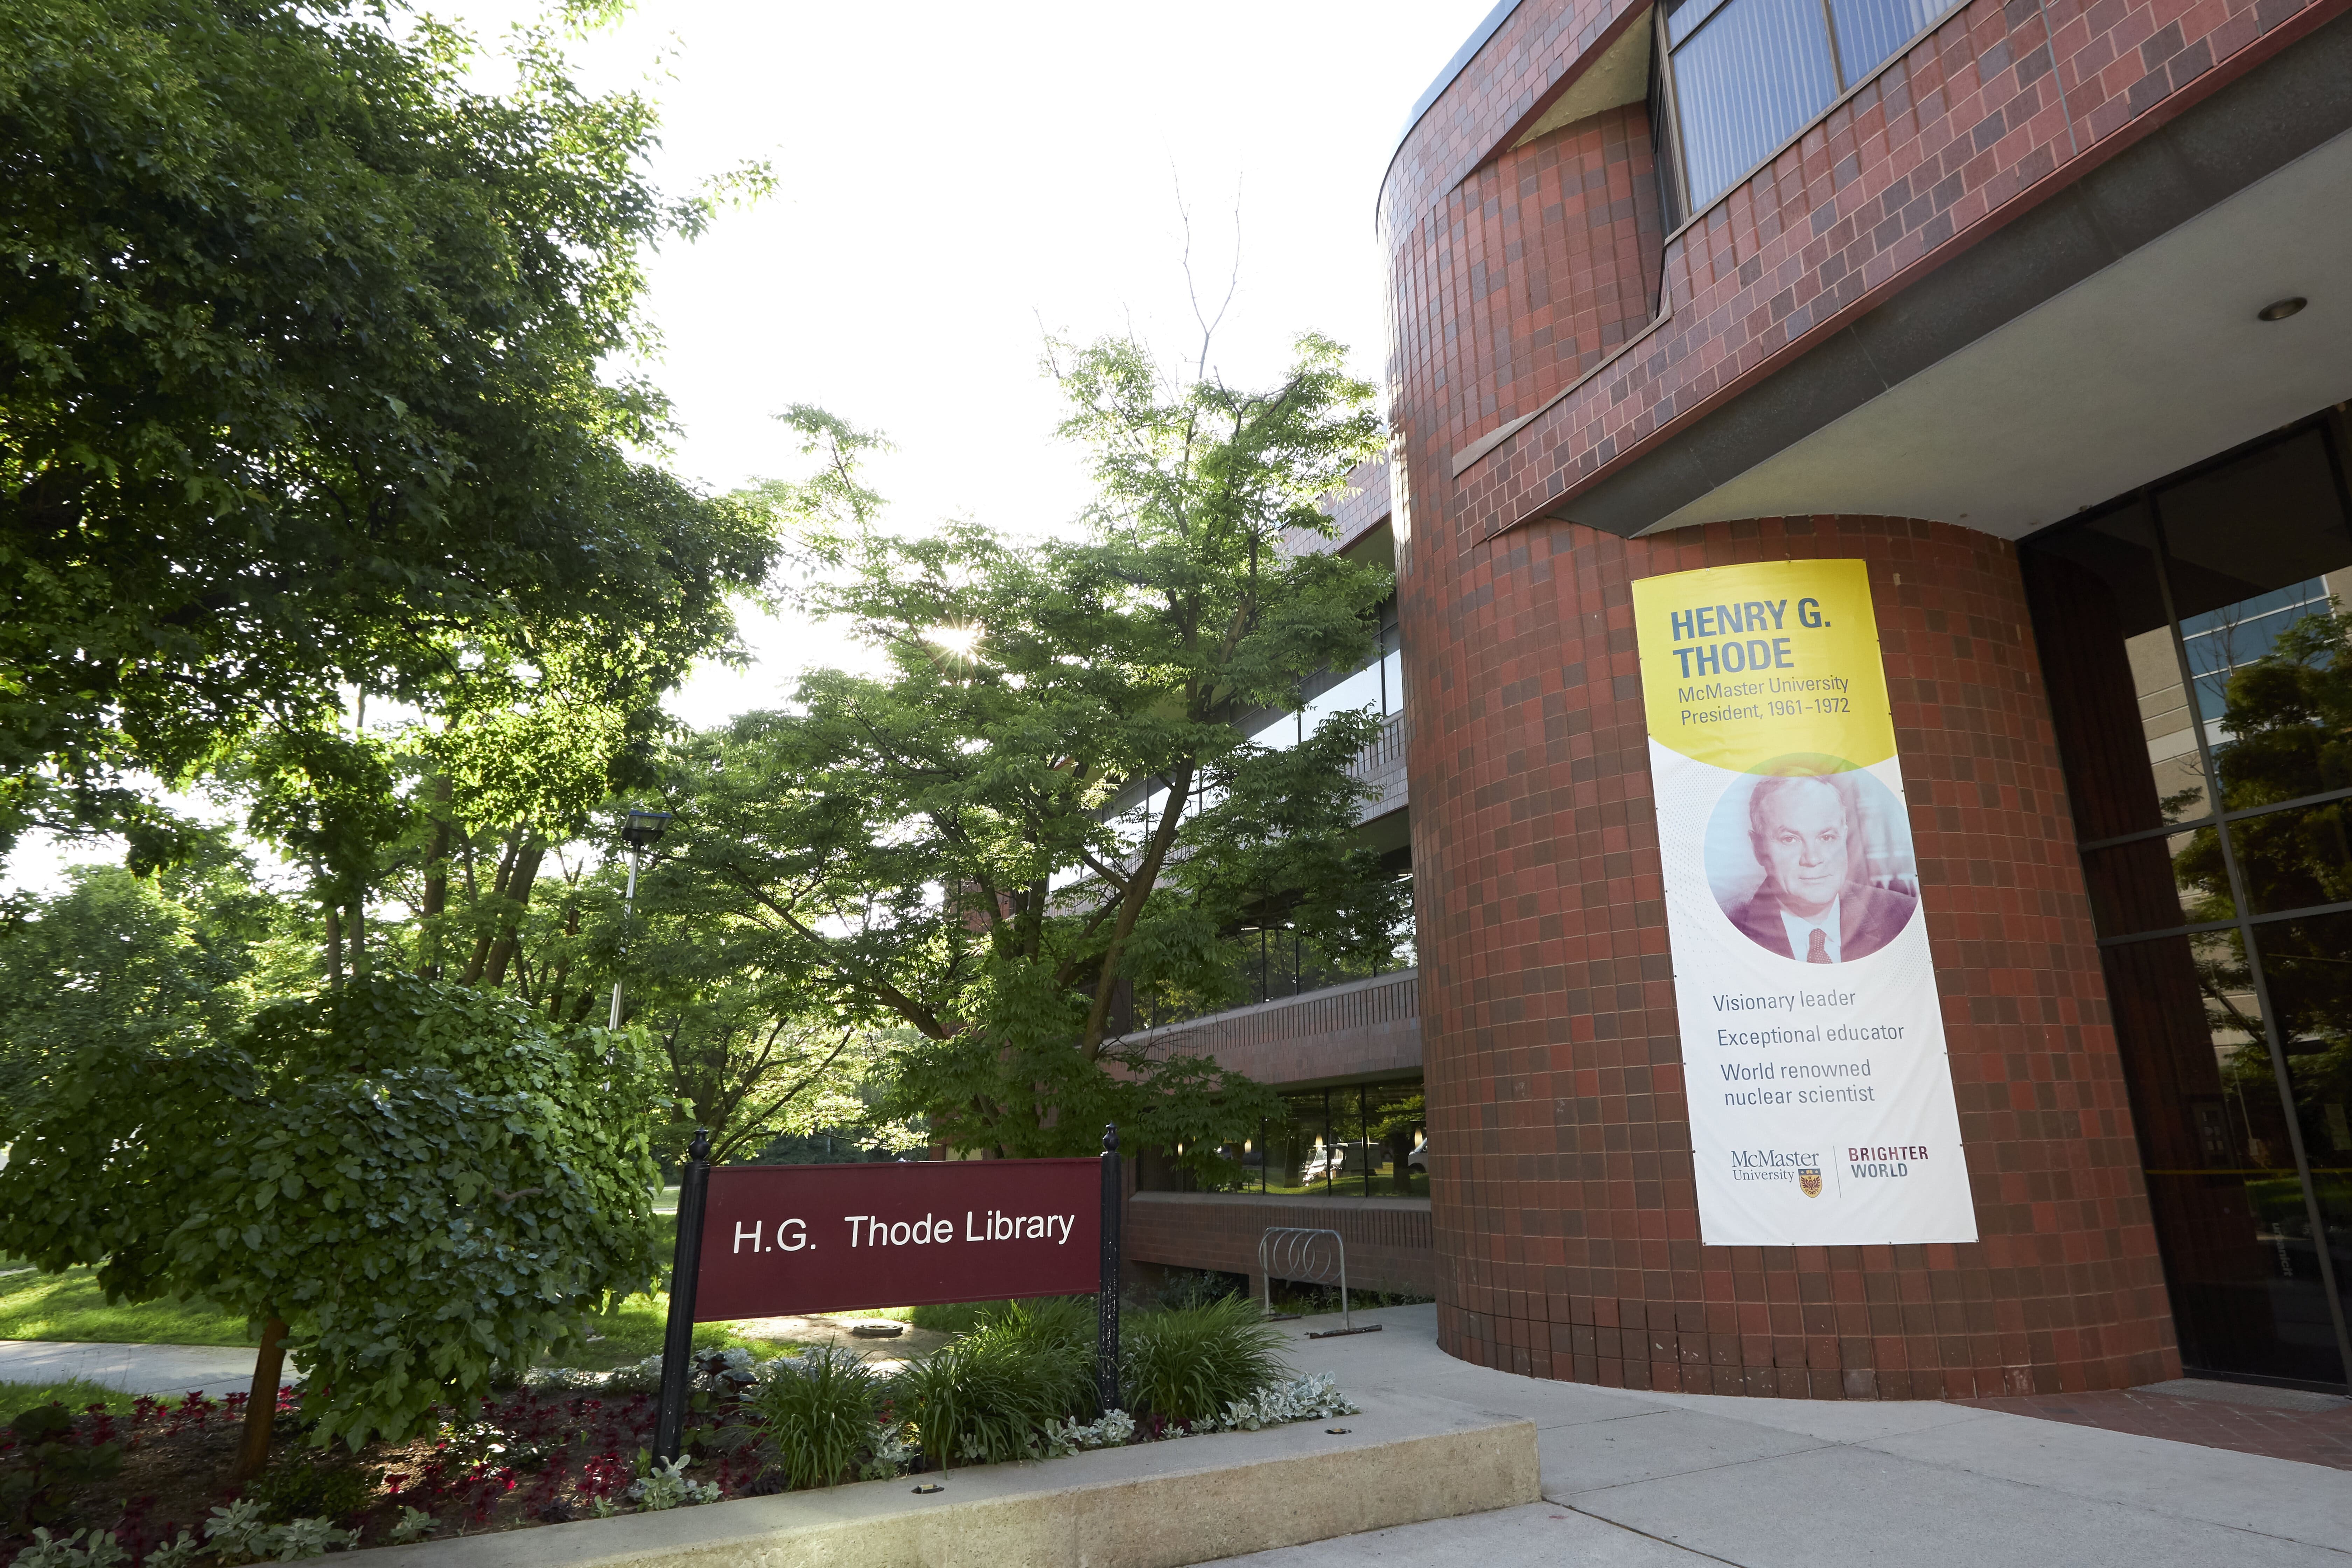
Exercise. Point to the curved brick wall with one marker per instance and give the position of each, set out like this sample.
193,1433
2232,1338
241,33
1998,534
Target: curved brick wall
1495,264
1566,1220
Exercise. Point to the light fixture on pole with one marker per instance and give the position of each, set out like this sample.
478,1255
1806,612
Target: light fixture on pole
641,830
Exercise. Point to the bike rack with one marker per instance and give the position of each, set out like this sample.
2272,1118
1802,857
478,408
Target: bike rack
1300,1254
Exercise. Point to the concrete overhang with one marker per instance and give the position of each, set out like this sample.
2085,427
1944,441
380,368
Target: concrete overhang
2106,338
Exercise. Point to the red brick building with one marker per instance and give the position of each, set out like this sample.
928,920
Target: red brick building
2043,311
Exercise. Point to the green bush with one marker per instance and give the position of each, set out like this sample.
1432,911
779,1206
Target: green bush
48,1466
1187,1362
311,1492
425,1181
819,1410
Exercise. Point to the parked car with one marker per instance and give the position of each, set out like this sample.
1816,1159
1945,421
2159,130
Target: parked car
1326,1161
1419,1159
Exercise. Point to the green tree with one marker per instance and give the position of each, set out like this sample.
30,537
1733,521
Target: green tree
299,392
117,958
410,1183
743,1054
938,847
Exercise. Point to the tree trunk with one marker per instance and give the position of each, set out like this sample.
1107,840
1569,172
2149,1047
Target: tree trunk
437,883
261,1407
1139,883
502,951
482,940
563,968
359,939
334,949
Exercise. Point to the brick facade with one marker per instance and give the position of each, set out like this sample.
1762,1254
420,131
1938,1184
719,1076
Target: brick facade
1566,1219
1515,292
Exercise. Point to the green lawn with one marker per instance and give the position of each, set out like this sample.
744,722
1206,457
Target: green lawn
70,1306
76,1396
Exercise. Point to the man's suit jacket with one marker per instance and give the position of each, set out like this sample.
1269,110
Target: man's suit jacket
1868,918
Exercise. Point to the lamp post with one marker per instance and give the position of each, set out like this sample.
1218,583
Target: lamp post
641,830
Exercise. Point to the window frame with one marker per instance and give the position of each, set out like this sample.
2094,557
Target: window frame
1674,160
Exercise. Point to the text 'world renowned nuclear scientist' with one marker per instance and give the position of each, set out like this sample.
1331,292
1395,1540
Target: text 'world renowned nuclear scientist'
1814,905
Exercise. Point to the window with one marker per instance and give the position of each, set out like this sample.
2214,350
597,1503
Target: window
2198,668
1360,1141
1747,75
1269,962
1378,688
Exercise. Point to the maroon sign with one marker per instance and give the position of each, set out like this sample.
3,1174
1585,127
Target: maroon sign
819,1238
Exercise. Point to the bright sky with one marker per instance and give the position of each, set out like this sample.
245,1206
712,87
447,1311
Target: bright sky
957,180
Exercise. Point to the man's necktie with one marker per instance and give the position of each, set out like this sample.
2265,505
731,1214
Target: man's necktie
1817,950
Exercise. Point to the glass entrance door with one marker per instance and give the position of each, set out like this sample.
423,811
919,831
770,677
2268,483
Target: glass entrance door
2199,669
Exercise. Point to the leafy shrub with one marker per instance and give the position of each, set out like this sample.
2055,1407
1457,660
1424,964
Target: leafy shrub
238,1533
819,1411
311,1492
661,1486
426,1181
48,1466
1189,1288
68,1551
1312,1398
1188,1364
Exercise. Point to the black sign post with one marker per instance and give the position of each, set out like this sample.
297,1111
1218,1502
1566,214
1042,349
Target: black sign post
1107,1295
685,1267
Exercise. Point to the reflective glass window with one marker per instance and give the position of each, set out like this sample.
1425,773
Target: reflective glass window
2310,980
1749,78
2230,1217
1870,31
1359,690
2199,673
1355,1140
1748,75
1396,1121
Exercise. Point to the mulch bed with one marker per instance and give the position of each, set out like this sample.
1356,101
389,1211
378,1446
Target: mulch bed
521,1459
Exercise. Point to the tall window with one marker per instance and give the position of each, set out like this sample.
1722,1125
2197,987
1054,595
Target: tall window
1358,1141
2199,670
1747,75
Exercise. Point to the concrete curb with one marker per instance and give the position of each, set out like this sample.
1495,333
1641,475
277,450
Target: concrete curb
1162,1505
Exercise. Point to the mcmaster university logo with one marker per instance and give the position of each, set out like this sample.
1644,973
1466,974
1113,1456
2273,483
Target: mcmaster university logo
1809,1180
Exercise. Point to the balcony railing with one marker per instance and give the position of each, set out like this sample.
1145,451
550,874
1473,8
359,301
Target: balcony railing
1353,1005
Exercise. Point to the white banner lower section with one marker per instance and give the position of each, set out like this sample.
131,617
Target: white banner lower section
1820,1099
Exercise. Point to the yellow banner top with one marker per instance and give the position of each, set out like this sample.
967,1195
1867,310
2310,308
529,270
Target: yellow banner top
1772,667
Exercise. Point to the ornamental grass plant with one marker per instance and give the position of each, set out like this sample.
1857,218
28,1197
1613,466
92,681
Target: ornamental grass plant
1188,1364
819,1411
989,1396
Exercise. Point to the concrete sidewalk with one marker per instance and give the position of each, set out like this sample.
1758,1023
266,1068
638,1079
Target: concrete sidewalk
1675,1481
159,1370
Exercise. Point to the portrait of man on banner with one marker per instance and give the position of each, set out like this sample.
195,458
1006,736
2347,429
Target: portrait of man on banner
1813,867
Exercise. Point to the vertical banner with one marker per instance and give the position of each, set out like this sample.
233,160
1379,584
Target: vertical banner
1820,1101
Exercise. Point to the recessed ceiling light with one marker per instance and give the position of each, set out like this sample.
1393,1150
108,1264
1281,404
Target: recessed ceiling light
2280,309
